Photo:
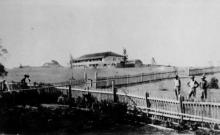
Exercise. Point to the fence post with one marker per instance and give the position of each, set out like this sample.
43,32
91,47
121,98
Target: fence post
182,109
69,93
147,101
115,97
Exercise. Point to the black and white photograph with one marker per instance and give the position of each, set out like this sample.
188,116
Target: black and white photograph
110,67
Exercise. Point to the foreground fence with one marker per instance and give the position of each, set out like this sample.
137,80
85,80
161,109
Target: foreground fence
204,112
207,112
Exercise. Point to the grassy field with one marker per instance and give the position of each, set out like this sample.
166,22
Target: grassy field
165,89
61,74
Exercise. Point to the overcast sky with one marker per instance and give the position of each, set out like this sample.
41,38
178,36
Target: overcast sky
176,32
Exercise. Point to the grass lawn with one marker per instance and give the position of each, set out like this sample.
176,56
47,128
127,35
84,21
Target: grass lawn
61,74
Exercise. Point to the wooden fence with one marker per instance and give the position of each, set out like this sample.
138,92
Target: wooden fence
17,85
102,82
200,71
207,112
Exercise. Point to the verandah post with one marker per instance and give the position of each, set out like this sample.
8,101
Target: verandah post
96,79
85,77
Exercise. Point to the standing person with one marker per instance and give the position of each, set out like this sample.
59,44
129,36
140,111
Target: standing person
25,81
193,84
204,87
177,86
4,86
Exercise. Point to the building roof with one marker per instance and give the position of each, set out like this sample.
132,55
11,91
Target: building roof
98,55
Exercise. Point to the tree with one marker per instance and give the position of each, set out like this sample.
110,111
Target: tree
3,72
3,52
55,62
213,84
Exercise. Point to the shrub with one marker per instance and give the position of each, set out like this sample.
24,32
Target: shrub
213,83
3,72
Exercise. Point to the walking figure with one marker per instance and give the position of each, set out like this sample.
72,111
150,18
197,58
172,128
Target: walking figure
177,86
204,87
193,84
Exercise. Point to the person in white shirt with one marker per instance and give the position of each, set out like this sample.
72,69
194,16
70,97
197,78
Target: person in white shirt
4,86
193,84
177,86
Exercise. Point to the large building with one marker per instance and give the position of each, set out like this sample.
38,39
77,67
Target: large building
103,59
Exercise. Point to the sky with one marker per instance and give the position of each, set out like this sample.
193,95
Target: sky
174,32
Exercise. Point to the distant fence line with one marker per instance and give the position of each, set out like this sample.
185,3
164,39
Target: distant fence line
133,79
200,71
147,77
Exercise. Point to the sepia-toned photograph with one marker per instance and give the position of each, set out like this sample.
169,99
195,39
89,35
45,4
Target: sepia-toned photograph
110,67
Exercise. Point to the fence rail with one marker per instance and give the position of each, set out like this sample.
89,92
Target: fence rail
102,82
200,71
207,112
195,111
105,82
133,79
18,86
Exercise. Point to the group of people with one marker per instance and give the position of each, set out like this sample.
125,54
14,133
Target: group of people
24,84
193,85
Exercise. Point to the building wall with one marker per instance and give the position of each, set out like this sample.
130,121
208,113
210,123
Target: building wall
105,62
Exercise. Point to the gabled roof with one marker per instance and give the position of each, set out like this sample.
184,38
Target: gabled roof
98,55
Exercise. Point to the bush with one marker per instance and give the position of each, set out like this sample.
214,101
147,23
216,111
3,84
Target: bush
3,72
213,83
